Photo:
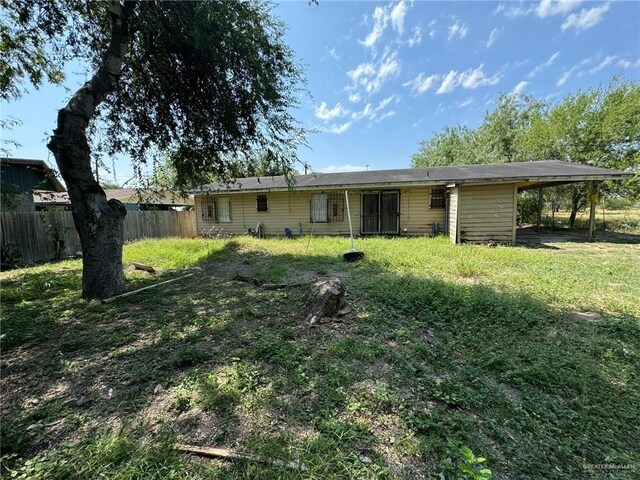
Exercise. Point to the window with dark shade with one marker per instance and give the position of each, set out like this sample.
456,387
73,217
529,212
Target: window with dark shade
336,207
437,198
261,203
209,209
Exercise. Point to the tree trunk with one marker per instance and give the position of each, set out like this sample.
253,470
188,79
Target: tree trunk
572,216
575,205
100,224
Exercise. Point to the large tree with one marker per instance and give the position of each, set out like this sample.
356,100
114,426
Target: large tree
209,80
498,139
599,127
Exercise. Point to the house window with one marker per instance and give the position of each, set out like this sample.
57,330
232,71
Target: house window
319,208
216,210
223,210
437,198
261,203
336,207
327,207
209,209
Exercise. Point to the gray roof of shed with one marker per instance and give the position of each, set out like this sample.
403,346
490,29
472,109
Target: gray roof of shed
483,173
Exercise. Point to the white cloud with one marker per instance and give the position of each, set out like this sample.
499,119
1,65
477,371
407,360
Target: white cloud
416,38
362,71
449,83
493,36
354,97
369,112
380,20
433,30
587,18
564,77
624,63
604,64
389,67
323,112
372,76
422,83
415,124
386,115
544,65
568,73
519,88
393,14
386,102
474,78
470,79
338,128
334,54
457,29
547,8
397,16
348,167
513,11
465,103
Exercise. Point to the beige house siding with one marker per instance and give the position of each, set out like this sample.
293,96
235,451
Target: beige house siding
487,213
454,198
416,215
292,210
285,210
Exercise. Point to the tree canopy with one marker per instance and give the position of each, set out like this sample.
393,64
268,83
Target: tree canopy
599,127
211,81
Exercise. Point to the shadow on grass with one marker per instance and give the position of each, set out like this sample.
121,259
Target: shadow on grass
216,362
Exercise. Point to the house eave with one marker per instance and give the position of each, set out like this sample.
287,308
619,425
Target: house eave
421,183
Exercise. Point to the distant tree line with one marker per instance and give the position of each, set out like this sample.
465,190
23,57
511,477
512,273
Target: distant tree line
599,127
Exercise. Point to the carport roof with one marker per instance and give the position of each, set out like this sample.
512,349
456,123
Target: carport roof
532,172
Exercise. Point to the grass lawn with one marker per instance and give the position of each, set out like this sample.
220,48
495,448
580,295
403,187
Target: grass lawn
530,357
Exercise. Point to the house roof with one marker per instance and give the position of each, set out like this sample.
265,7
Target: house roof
48,175
543,171
125,195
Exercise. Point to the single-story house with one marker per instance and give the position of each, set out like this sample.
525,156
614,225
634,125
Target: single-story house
472,203
132,198
20,177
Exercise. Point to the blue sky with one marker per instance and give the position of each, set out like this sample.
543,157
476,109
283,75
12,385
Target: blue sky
382,76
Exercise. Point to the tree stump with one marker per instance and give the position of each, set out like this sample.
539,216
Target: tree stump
325,299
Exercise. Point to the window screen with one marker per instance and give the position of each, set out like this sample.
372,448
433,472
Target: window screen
261,203
437,198
209,209
336,207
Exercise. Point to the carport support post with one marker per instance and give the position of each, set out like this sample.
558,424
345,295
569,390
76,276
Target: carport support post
593,197
539,219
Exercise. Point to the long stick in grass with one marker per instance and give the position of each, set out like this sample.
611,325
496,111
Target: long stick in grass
310,235
232,455
133,292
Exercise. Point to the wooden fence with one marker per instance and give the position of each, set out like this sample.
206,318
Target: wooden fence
34,234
